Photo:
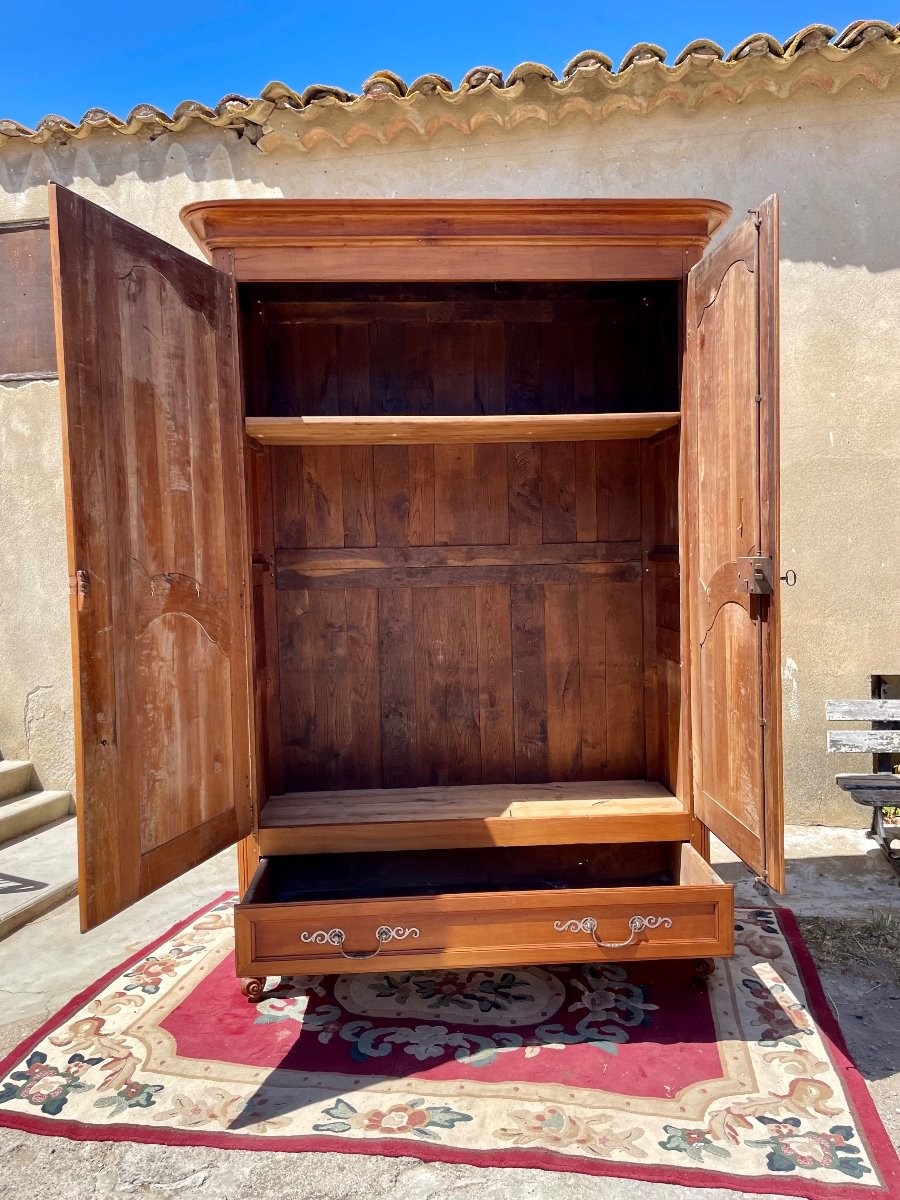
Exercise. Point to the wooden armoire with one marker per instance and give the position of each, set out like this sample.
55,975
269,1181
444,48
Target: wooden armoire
427,549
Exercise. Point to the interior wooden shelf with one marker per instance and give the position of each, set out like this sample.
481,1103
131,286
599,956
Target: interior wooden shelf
484,815
386,431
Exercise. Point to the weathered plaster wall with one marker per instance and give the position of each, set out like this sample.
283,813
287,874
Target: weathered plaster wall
835,161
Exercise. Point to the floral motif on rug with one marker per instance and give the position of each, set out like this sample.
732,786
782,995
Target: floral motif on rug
634,1069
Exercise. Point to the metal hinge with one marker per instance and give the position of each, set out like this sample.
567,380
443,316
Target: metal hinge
80,586
756,575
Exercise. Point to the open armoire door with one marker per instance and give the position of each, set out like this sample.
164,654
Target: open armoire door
730,535
153,433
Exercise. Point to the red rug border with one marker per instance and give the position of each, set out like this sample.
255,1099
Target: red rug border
805,1187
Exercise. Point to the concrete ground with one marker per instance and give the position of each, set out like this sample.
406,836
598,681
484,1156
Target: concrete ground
832,874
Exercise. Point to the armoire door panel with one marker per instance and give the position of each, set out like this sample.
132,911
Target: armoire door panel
730,430
157,536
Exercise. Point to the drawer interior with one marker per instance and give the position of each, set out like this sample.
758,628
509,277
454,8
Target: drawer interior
360,876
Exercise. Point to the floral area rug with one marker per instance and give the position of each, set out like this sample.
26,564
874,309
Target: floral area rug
638,1071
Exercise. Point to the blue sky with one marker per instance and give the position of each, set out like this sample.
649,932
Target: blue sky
67,57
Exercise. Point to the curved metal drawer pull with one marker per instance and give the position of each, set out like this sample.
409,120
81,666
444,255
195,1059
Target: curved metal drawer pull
336,937
589,925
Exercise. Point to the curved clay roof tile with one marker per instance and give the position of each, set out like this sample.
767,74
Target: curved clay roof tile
430,85
865,31
384,83
193,108
530,70
53,123
316,93
280,94
479,76
148,113
702,48
642,52
756,43
810,38
585,61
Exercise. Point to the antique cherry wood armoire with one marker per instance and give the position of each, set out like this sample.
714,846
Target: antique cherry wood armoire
429,550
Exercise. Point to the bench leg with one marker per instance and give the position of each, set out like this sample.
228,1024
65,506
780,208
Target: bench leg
877,834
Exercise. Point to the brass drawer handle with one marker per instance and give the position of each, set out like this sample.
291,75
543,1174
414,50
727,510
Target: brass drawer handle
336,937
589,925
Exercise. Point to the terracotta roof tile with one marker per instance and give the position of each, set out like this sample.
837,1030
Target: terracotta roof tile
702,48
810,38
868,50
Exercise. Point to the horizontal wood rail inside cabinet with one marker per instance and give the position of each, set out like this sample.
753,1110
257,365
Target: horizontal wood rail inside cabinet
410,431
476,815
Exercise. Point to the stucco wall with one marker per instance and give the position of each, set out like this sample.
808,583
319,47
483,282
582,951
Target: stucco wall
835,160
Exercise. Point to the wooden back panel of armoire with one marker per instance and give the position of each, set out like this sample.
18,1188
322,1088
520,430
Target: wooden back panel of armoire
463,614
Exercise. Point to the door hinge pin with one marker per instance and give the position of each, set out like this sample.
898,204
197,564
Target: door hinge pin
80,587
758,398
763,721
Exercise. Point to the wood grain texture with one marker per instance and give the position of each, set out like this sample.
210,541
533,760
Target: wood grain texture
455,816
156,517
731,487
463,430
491,928
870,741
454,239
862,710
491,659
27,342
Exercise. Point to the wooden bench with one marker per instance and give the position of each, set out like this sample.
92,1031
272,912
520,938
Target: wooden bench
878,789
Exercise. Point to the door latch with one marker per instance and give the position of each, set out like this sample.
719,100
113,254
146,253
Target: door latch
756,575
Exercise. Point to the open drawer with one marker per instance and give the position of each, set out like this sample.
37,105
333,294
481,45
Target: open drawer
325,914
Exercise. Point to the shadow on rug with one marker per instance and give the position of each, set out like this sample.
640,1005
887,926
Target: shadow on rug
642,1072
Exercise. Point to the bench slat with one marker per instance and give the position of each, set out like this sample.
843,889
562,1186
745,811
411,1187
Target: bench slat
886,780
862,710
873,741
876,797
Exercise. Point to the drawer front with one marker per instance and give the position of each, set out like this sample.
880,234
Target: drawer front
485,929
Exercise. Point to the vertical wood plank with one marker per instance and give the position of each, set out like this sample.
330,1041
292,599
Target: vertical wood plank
529,682
297,668
365,694
397,679
618,491
495,684
585,492
454,479
525,497
391,495
288,495
592,605
489,354
490,495
353,370
448,746
358,495
421,495
564,704
334,762
624,681
648,609
322,496
387,369
558,480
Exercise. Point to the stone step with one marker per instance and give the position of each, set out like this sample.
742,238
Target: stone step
37,872
32,811
15,778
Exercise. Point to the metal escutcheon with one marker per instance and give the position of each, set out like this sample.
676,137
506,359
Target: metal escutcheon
337,937
636,924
